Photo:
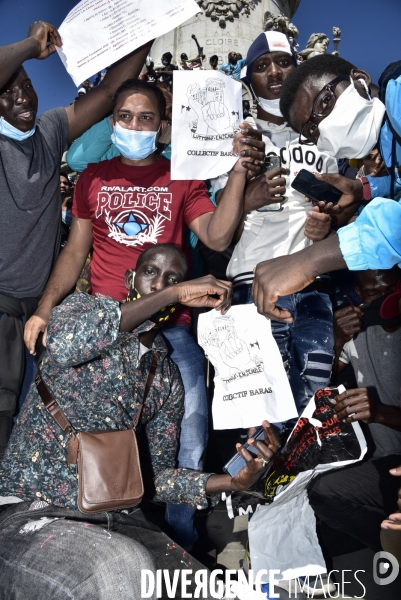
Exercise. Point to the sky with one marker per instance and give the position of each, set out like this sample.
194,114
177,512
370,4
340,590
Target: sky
370,30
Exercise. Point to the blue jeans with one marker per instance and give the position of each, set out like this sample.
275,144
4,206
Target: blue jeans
307,344
193,438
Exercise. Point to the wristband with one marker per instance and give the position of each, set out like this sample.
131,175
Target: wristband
366,191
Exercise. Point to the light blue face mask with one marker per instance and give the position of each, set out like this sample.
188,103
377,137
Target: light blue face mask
135,145
14,133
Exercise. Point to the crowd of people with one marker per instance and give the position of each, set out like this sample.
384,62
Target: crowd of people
93,311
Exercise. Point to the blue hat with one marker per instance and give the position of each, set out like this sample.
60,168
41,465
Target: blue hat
268,41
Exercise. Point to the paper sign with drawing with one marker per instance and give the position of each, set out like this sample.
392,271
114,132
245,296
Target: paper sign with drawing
250,381
207,109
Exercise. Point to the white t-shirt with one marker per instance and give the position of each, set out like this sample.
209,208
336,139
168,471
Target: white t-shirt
271,234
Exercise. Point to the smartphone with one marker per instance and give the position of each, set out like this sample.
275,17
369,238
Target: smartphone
271,163
236,463
306,183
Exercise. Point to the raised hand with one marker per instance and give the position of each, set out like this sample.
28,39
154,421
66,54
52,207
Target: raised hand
47,37
235,354
217,117
250,147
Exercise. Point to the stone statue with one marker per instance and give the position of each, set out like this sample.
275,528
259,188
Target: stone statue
282,24
317,44
226,10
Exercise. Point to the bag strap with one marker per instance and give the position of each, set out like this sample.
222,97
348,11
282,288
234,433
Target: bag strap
52,406
58,414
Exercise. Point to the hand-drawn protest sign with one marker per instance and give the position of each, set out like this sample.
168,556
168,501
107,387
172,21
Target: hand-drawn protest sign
207,109
250,380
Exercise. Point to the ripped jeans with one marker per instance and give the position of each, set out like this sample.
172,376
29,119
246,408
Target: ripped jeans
307,344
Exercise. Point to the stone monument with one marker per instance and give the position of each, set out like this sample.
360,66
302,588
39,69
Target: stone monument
222,26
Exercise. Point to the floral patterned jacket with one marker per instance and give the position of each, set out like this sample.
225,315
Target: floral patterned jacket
95,374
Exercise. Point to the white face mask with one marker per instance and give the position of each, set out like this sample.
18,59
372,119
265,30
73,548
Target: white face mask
270,106
352,129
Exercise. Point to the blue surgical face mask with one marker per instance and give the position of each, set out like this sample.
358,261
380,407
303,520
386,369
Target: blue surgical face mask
14,133
133,144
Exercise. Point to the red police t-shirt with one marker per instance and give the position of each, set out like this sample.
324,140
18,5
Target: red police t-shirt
132,209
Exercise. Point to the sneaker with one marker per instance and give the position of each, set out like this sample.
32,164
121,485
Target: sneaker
314,586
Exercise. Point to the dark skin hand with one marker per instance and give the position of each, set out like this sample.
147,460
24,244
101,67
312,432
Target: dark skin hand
374,164
357,405
254,465
351,189
289,274
261,191
248,143
41,42
347,322
318,223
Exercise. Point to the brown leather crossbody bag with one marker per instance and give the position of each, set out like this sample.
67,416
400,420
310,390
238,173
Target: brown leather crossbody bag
109,470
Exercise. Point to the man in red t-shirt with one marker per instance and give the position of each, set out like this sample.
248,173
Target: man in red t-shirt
129,203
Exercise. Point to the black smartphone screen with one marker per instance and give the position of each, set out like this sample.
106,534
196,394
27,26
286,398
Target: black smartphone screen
307,184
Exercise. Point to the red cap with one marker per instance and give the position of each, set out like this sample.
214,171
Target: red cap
389,308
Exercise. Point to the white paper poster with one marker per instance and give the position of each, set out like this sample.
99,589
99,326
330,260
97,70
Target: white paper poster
207,109
250,382
97,33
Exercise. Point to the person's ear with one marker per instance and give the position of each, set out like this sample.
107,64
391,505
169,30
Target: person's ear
357,74
129,279
163,125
